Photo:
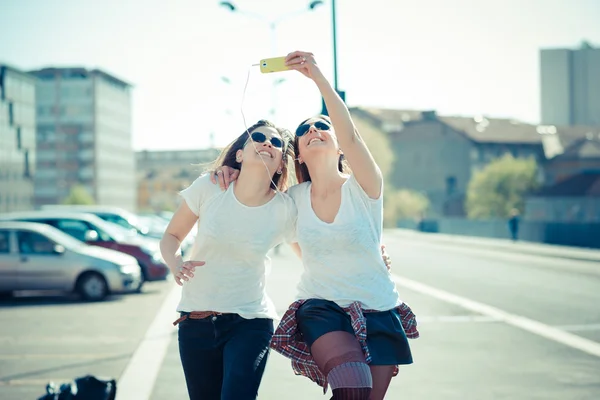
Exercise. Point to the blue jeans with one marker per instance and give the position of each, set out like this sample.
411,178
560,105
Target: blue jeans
224,357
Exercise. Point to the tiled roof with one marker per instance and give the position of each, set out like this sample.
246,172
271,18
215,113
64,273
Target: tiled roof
483,129
582,148
584,184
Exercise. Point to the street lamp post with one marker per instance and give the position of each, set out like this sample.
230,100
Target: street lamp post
342,94
273,23
334,27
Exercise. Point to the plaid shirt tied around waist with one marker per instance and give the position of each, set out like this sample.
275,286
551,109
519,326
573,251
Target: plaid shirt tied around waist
288,341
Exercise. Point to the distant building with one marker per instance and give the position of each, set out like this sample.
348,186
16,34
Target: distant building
578,154
570,86
161,175
17,139
84,137
437,155
572,190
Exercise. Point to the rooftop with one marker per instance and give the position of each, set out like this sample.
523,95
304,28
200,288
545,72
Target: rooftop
77,72
484,129
581,185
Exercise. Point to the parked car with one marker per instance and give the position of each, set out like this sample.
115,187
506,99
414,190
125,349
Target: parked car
149,225
116,215
36,256
159,224
95,231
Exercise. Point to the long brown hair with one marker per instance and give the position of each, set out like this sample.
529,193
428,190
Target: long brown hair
228,155
302,174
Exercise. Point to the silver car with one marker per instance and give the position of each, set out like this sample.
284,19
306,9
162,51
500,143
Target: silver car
36,256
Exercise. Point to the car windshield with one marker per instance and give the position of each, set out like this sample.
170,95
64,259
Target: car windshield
154,222
126,221
116,232
62,238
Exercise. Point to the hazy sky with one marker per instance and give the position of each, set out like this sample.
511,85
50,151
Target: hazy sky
460,57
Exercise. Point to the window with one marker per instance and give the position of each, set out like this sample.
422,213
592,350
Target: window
27,172
450,185
72,227
34,243
11,114
116,219
19,139
77,229
4,242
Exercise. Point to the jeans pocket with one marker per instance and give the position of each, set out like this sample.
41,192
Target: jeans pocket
196,329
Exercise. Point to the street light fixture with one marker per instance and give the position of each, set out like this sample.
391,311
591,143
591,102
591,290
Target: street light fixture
273,23
228,4
315,4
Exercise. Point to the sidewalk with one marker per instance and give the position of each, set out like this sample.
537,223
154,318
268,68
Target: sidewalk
539,249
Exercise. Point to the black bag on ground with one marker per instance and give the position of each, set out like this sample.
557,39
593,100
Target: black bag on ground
84,388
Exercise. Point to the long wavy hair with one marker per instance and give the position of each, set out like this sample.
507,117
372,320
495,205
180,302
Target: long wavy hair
228,154
302,174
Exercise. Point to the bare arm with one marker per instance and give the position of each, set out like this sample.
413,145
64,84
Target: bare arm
365,169
181,224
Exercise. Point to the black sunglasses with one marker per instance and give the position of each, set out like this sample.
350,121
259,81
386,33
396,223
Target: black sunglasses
260,137
320,125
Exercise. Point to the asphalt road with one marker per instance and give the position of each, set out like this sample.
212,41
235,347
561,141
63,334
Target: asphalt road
47,337
494,325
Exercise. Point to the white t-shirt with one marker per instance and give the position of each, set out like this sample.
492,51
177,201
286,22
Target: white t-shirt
233,240
342,260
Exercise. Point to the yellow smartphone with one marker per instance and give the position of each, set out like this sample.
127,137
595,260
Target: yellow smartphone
276,64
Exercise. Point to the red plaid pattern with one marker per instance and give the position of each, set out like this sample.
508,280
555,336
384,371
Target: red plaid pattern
287,341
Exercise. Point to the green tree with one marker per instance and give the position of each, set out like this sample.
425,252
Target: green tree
500,187
397,203
379,145
78,196
403,204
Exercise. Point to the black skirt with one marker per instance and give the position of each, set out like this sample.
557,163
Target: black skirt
386,339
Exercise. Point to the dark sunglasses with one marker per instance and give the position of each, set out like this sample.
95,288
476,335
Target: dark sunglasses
260,137
320,125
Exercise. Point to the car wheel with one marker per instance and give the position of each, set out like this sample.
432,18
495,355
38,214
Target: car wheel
92,286
144,272
140,286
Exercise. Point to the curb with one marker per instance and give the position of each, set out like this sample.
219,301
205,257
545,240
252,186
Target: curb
529,248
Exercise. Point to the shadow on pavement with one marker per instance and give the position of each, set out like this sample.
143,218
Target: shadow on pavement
97,361
41,298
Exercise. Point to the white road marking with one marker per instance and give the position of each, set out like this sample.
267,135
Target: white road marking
579,328
455,318
527,324
137,381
